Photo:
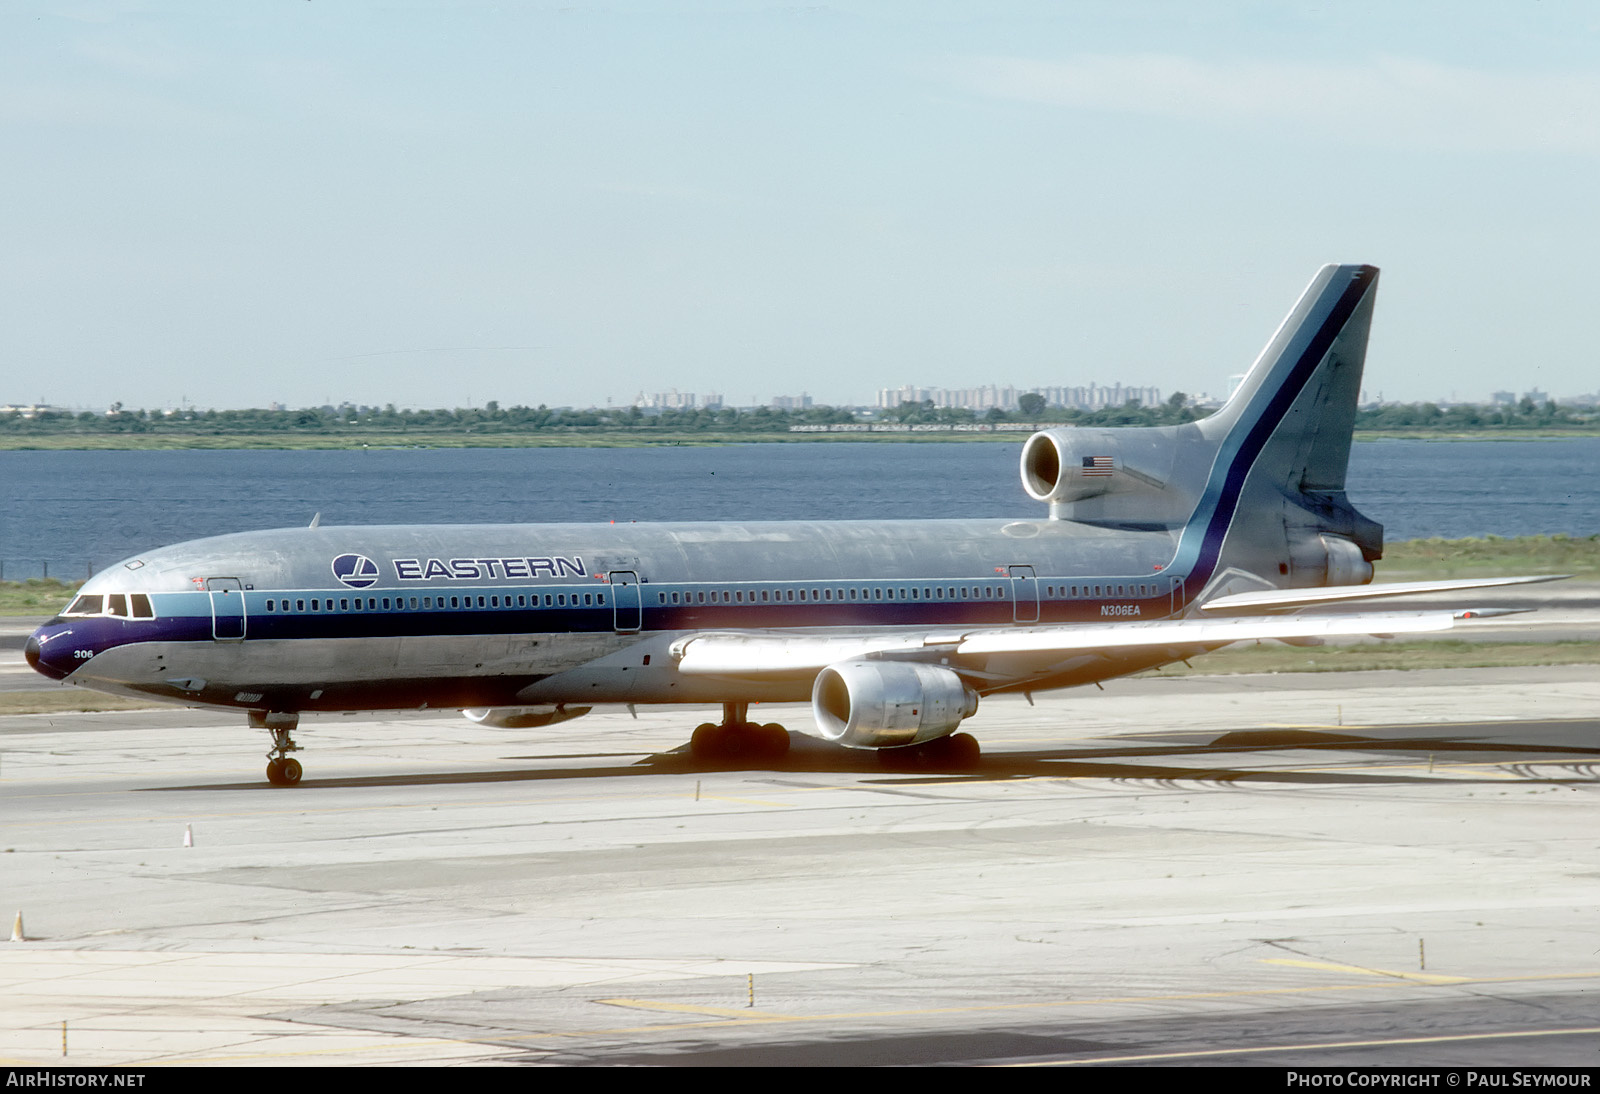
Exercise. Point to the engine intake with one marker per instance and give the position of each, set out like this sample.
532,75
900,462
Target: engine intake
1094,473
882,704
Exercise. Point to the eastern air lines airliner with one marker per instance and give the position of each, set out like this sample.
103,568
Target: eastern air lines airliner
1159,544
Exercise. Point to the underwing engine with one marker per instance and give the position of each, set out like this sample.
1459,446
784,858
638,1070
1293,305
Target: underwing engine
884,704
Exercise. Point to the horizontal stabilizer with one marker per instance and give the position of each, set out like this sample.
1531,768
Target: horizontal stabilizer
1277,599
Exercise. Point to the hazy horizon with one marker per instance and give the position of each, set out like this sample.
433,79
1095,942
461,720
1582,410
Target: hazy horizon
453,203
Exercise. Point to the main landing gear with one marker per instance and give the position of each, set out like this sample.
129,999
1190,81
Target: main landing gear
737,739
282,768
957,752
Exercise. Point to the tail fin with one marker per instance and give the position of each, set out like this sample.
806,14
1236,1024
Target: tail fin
1275,497
1299,398
1257,486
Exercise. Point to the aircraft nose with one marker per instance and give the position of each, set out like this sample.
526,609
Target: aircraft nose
33,653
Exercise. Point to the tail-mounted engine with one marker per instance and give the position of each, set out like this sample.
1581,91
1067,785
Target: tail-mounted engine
881,704
1106,474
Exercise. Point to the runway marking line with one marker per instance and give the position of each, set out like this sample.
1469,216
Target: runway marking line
735,801
741,1016
745,1014
1446,1038
1420,977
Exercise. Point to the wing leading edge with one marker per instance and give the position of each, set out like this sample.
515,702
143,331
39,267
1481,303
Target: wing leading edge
755,656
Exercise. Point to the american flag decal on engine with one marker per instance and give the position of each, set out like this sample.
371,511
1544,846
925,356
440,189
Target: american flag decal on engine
1097,466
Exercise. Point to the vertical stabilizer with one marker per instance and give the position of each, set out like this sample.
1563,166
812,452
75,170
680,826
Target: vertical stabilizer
1274,503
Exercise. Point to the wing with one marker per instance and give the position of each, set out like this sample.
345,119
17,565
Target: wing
992,657
1279,599
792,655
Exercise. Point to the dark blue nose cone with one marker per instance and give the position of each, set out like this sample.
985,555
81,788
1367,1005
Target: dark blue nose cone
32,652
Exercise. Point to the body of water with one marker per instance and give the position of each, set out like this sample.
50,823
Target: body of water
78,510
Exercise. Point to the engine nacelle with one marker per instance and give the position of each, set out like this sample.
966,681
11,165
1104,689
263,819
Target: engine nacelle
1108,468
1333,560
882,704
523,717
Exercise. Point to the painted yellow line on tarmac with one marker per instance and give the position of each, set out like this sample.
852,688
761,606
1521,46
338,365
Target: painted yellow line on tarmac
1421,977
743,1013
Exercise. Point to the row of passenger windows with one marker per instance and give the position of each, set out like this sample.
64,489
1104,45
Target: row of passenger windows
121,605
1095,590
791,596
137,605
432,603
715,596
925,592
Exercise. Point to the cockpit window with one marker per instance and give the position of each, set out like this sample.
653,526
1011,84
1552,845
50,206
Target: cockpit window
121,605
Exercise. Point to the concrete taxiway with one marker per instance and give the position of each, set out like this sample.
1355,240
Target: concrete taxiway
1332,869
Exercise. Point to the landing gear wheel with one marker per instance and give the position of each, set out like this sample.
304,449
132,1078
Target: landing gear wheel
706,742
282,769
956,753
736,739
283,772
961,752
774,741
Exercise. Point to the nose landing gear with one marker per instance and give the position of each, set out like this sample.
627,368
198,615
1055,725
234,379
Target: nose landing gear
282,769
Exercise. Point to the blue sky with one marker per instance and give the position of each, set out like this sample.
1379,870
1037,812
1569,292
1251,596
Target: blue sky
441,204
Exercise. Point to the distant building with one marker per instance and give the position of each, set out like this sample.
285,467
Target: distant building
665,400
992,396
791,402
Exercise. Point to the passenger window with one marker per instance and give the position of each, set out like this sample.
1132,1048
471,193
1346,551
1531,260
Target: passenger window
586,597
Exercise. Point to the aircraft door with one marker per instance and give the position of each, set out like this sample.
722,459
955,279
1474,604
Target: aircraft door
626,603
1024,595
227,608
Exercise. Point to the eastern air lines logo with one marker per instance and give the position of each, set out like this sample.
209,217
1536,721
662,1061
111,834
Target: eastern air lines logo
356,571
